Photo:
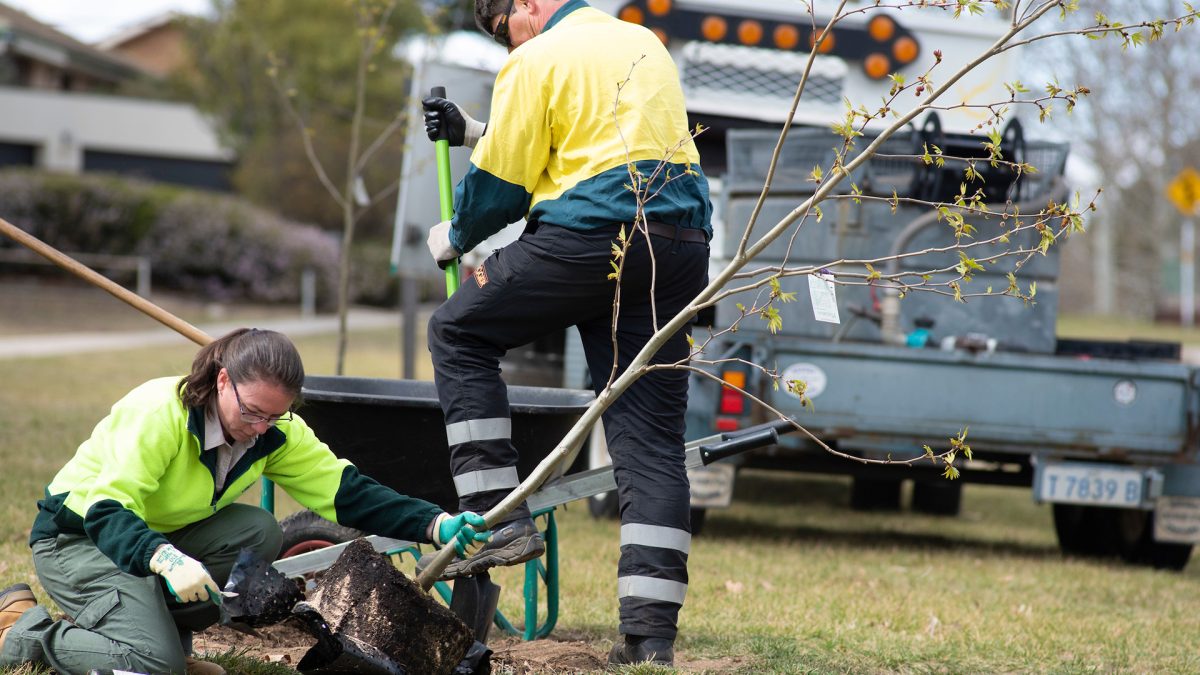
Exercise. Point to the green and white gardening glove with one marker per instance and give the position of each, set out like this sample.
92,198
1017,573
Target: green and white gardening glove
186,577
467,530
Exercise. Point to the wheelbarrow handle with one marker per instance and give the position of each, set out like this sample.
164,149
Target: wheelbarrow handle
445,190
737,442
783,426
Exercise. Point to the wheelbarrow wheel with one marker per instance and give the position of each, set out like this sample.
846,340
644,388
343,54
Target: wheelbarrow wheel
305,531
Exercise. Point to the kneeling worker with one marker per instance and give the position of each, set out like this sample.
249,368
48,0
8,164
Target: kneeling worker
137,534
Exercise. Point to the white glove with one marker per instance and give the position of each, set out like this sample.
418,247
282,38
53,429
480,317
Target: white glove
473,130
186,577
439,243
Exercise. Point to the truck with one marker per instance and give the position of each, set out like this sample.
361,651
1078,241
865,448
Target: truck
1105,432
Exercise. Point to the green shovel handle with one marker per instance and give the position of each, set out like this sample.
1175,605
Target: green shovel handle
445,191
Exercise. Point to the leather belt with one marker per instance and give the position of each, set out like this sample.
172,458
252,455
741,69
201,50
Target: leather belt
672,231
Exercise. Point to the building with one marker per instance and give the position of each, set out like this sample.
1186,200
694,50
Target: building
63,112
156,46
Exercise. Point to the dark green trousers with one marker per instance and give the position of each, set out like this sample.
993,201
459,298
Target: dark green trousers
119,621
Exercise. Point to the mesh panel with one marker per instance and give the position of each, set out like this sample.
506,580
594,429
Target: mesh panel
760,82
750,157
891,168
1049,159
765,73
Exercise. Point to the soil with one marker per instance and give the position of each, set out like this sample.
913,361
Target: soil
364,597
286,643
283,643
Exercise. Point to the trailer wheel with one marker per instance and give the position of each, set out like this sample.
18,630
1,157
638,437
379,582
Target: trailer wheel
305,531
1137,545
1088,531
875,494
937,498
603,506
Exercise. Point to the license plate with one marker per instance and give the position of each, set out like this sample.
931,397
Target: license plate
712,485
1088,484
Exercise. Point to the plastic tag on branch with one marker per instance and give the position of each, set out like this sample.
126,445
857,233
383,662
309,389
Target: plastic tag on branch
824,298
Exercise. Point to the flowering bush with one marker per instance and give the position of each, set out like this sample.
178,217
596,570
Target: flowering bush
216,246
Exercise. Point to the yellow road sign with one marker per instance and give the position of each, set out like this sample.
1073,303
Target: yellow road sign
1184,191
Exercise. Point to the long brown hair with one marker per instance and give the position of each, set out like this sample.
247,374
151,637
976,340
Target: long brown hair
250,355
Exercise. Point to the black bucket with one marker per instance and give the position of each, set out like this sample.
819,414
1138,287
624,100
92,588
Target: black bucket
394,431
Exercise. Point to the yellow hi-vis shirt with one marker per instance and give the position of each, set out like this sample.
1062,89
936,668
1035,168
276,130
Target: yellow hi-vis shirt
556,153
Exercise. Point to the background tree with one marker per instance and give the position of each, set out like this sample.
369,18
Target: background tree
1133,139
311,95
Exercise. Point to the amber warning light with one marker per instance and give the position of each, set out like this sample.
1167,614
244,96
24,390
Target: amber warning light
882,45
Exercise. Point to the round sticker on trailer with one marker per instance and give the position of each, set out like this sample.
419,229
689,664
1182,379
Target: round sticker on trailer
1124,392
810,374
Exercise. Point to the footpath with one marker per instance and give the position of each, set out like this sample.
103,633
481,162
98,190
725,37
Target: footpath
32,346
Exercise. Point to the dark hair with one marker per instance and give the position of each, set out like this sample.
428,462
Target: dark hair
485,11
250,355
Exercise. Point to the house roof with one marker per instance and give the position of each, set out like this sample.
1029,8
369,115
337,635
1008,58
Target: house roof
24,34
138,30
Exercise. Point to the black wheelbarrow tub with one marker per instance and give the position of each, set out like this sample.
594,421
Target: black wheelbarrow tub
394,431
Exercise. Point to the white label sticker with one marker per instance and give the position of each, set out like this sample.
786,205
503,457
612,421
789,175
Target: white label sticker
1124,392
824,299
809,373
1177,519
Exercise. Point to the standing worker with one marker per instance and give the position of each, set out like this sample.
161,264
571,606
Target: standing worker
137,534
555,154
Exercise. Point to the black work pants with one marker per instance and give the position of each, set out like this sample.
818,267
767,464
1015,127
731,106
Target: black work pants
547,280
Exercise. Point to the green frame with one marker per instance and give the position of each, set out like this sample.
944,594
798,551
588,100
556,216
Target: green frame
538,572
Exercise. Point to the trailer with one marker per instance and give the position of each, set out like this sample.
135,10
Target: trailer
1104,431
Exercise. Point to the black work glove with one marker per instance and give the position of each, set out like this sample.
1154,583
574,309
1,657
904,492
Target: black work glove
461,128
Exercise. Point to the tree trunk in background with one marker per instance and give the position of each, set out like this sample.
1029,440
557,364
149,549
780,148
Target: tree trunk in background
1133,142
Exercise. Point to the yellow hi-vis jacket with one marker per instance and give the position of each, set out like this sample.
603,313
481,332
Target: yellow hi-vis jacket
143,472
554,150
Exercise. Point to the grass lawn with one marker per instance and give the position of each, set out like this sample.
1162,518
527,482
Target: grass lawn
788,580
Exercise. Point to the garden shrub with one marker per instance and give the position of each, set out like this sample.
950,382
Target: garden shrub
216,246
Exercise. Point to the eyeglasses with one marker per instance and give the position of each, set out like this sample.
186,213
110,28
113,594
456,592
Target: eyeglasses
252,418
501,35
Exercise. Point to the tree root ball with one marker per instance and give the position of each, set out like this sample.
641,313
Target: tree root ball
364,600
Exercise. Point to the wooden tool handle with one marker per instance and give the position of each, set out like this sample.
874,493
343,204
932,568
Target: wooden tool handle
87,274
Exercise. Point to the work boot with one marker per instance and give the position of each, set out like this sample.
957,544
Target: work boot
516,542
14,601
197,667
640,649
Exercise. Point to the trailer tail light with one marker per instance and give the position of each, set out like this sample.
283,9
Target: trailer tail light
727,424
732,401
732,404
